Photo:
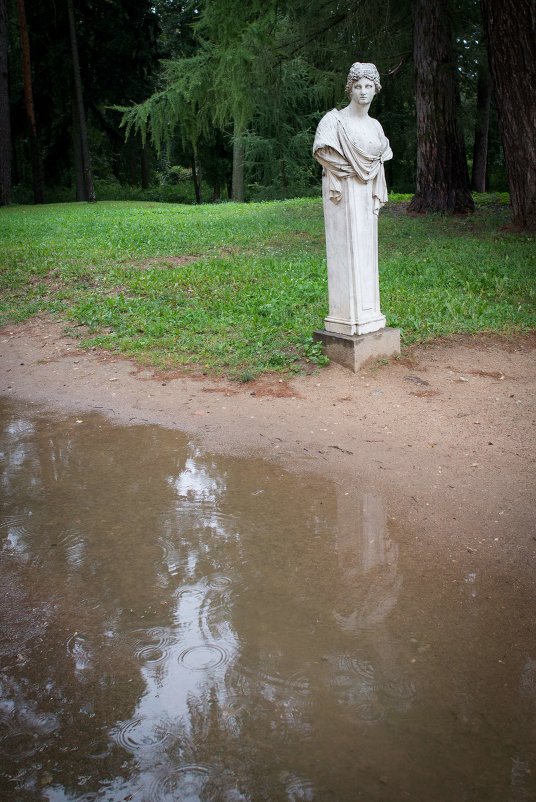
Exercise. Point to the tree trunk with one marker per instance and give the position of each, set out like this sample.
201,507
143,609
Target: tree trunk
237,192
442,174
145,167
283,171
216,190
196,176
480,147
132,155
511,37
5,118
80,184
89,189
35,153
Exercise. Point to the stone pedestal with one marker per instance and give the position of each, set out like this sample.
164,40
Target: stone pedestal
353,351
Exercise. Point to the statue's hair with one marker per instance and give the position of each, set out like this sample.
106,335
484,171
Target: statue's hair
359,70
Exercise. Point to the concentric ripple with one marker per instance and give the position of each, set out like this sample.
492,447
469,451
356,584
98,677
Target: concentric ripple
154,645
15,523
353,665
140,733
219,582
74,544
371,710
16,537
298,789
204,657
185,784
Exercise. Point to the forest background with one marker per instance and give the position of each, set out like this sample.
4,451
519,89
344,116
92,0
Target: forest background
219,99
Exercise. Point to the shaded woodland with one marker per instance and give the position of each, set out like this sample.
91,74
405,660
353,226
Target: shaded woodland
219,99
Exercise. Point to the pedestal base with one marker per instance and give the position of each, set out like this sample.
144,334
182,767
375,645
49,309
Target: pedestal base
353,352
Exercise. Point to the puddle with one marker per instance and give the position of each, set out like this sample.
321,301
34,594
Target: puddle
182,627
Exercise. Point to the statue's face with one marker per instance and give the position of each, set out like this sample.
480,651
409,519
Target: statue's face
363,91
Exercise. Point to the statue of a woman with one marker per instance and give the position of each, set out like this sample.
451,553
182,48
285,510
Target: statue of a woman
351,147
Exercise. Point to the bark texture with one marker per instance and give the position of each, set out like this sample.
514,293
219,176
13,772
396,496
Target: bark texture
511,35
238,188
442,174
145,166
80,184
5,119
196,175
480,147
81,128
35,152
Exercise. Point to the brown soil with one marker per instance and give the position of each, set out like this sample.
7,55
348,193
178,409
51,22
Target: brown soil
445,433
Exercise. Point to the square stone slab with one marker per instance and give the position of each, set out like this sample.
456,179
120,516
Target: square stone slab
353,351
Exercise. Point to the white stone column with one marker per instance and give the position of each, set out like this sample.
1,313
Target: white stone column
352,257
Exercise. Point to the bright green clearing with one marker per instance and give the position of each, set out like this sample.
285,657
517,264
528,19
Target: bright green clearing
238,288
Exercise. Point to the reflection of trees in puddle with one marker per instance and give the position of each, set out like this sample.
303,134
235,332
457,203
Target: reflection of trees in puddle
188,615
193,628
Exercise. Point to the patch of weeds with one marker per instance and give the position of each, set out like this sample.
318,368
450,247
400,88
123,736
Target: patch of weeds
314,352
240,287
246,376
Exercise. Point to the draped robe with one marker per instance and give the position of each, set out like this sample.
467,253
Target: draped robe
354,190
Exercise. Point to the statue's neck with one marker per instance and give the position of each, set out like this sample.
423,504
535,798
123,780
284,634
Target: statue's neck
356,112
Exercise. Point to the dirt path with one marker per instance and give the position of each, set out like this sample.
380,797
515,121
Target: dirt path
445,434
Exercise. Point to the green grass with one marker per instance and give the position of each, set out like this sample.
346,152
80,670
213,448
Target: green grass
250,285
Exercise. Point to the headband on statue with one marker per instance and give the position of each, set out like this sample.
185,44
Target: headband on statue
362,70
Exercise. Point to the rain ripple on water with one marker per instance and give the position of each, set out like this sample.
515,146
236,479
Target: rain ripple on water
140,733
153,646
204,657
186,784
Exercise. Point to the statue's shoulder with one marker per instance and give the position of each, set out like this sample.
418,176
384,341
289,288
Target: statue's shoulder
329,121
327,132
330,118
377,123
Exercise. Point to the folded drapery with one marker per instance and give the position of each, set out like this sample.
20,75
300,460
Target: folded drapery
341,158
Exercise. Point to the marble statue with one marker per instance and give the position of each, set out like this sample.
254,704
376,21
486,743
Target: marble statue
352,149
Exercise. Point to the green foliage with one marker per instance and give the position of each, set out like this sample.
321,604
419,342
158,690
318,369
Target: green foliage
238,289
168,191
200,74
262,74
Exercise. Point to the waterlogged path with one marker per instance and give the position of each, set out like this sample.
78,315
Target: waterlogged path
180,627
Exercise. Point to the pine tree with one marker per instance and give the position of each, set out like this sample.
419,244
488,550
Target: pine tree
511,36
35,153
442,174
5,121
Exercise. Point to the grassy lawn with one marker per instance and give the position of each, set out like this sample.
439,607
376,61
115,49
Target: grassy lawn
238,289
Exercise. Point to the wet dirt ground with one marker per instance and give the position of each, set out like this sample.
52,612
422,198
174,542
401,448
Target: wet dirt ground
336,571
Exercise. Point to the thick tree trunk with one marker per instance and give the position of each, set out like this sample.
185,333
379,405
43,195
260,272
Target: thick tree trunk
480,147
442,174
89,189
35,153
237,192
511,36
5,118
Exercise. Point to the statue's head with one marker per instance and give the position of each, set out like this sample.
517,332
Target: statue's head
359,70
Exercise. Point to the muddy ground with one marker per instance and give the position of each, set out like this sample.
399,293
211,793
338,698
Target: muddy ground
445,434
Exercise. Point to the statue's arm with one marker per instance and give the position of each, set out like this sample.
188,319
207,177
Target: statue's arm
330,159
